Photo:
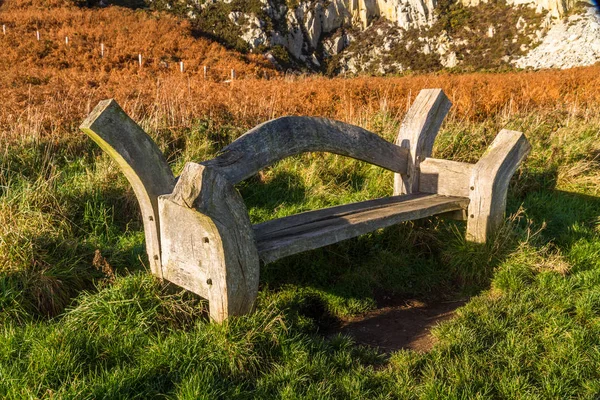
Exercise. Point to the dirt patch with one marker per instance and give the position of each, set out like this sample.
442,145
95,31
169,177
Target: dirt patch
405,326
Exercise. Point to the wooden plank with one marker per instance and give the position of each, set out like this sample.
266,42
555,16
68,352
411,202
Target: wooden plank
140,160
209,242
283,137
417,134
490,179
314,229
268,228
445,177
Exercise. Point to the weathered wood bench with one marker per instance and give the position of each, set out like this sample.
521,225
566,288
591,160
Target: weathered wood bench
197,228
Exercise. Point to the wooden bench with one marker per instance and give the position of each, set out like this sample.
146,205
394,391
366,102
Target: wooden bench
197,228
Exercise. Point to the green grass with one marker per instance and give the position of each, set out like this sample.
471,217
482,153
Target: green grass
531,329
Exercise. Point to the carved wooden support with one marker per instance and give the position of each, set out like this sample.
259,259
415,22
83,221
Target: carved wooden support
489,183
283,137
417,134
141,161
208,243
484,183
445,177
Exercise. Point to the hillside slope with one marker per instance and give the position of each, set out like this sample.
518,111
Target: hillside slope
64,78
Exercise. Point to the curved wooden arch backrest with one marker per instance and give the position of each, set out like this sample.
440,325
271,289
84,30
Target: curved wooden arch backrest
287,136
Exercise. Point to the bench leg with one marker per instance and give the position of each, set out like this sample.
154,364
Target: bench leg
140,160
208,242
489,183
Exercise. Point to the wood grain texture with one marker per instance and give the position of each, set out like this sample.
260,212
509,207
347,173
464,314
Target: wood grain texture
314,229
189,241
417,134
489,179
207,233
283,137
445,177
140,160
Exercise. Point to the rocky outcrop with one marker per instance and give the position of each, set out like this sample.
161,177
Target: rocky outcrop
390,36
253,28
570,43
312,23
403,13
556,8
311,26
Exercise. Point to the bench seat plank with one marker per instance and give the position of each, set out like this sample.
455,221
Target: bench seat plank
313,229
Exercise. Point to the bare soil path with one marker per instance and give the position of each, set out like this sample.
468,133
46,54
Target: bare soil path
404,326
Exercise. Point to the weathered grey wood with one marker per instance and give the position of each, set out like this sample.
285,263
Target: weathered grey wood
198,232
458,215
140,160
283,137
275,226
445,177
189,240
417,134
489,183
314,229
208,241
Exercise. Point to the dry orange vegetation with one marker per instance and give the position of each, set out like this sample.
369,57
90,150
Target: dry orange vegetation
48,87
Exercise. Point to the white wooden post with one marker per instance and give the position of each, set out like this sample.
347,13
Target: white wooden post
4,29
102,50
181,66
66,40
140,59
205,72
37,35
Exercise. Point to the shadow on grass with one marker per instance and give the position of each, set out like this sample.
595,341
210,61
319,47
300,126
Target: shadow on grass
563,212
48,272
283,188
59,270
370,284
390,287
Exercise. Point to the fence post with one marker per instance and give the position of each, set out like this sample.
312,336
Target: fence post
205,72
140,59
4,29
101,50
37,35
66,40
181,66
232,74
